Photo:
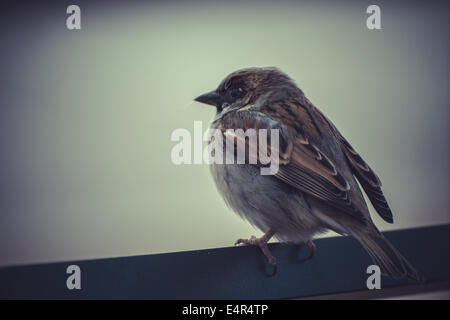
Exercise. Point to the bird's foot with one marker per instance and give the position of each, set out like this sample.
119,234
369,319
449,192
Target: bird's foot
262,244
312,248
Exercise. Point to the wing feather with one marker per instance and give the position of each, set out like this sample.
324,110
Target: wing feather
302,164
368,180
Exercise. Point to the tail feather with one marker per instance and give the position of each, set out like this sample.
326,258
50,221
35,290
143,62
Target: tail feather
383,254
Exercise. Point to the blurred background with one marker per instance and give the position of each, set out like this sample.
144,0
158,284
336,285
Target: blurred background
86,115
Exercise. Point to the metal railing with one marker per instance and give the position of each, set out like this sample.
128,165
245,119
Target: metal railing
338,270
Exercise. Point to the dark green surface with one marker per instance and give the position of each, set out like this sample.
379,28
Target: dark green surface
339,265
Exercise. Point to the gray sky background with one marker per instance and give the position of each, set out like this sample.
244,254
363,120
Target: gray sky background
86,116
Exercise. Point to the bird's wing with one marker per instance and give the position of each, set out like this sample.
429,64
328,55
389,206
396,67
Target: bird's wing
311,124
302,164
368,180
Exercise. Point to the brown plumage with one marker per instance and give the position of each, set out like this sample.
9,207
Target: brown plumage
315,187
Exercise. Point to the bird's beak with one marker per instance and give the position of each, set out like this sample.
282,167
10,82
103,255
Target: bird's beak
212,98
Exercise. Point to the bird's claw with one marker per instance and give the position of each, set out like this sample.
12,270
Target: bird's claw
262,244
312,248
251,241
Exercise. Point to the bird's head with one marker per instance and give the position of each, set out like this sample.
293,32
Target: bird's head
245,86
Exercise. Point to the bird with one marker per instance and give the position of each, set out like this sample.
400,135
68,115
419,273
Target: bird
315,188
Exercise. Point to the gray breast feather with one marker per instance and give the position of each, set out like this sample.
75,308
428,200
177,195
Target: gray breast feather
266,202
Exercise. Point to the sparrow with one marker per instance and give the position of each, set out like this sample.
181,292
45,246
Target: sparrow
316,186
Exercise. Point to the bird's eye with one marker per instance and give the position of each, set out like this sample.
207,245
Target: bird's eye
236,93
